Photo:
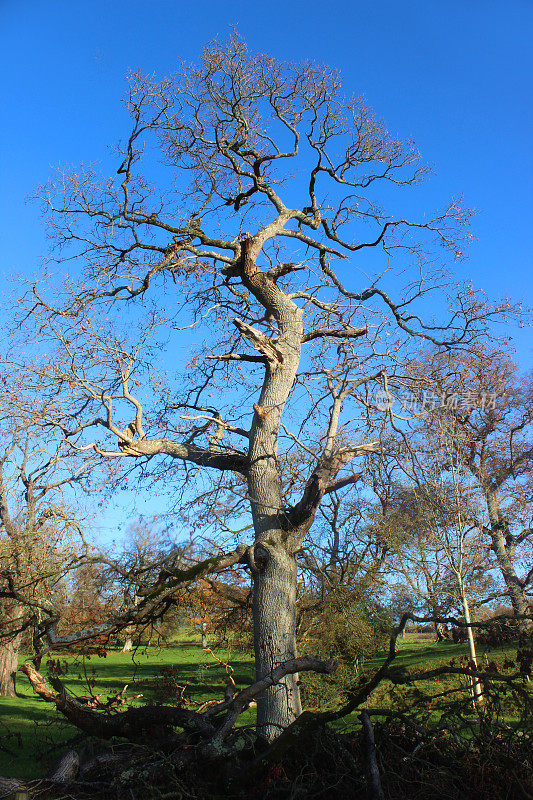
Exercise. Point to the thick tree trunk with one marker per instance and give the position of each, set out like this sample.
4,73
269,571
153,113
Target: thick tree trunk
11,618
274,610
274,589
504,557
9,654
517,595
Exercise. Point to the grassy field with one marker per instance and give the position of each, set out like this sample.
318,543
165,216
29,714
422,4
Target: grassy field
31,730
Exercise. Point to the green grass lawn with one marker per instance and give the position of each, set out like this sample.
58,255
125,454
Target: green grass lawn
416,654
30,729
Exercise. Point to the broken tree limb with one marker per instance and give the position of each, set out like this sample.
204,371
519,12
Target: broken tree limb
242,700
135,723
334,333
237,357
376,791
66,769
132,724
261,342
8,786
219,423
153,601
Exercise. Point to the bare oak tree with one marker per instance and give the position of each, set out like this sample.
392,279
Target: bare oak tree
244,226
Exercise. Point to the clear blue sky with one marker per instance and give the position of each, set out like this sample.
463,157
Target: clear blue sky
454,75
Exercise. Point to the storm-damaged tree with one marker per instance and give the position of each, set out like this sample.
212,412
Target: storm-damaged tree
254,252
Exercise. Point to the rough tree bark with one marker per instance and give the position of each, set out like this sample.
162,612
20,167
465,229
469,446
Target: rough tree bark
274,585
505,557
441,631
11,618
274,612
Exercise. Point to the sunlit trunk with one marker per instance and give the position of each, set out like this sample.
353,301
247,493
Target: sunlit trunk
274,582
477,693
130,630
274,610
504,557
10,638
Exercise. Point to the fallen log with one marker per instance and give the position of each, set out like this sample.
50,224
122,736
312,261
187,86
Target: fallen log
66,769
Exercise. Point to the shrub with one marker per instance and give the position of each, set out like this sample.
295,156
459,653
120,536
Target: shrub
350,632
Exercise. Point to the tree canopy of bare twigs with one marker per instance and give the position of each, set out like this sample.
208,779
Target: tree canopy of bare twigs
252,220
